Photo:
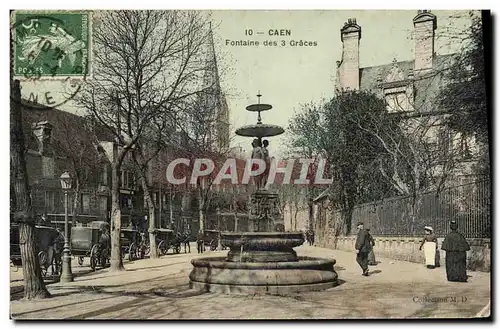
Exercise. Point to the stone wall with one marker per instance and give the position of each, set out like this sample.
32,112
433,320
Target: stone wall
406,248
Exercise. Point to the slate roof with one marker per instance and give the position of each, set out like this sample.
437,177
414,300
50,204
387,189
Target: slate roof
63,123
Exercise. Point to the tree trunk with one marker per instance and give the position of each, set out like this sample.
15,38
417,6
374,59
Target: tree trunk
200,208
346,215
76,198
116,255
153,252
295,218
34,286
235,210
171,209
413,208
310,215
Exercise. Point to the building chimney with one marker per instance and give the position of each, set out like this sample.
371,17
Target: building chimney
43,134
348,69
425,23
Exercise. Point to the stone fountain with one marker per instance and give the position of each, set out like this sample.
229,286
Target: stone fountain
262,260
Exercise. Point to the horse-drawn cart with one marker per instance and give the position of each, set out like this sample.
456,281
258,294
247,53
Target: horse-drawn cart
91,241
48,244
211,239
166,239
130,242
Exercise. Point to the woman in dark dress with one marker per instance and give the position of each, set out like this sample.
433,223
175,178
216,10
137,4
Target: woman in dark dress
456,248
371,254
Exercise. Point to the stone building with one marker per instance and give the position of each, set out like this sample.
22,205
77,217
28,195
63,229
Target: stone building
410,89
59,141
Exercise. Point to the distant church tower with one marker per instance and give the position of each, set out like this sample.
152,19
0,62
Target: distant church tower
214,102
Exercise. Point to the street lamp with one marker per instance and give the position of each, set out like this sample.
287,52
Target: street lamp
66,275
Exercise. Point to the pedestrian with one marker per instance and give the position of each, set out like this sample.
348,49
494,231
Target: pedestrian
199,243
371,254
363,247
311,238
186,238
429,242
456,247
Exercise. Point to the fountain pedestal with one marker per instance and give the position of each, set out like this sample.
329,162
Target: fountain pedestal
262,247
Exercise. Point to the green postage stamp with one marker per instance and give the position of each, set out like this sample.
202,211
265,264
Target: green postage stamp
51,44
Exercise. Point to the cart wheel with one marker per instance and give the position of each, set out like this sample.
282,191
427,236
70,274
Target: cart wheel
58,264
177,249
132,250
213,245
103,261
161,248
42,258
142,251
94,257
80,260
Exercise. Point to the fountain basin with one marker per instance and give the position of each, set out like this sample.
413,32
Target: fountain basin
262,246
306,274
260,130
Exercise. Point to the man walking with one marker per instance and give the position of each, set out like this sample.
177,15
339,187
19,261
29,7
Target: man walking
363,247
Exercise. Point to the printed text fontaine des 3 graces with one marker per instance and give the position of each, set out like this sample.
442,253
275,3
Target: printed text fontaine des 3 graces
284,39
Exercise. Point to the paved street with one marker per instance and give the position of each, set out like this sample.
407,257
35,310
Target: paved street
158,289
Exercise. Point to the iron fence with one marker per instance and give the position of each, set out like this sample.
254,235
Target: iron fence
468,204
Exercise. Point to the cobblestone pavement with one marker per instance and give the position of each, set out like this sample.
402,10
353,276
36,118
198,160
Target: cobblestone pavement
158,289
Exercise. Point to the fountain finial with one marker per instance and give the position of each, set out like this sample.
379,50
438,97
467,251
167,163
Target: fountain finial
259,119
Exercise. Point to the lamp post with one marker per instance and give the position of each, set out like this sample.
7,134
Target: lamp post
66,275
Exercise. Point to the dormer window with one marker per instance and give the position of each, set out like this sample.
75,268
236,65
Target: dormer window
398,90
397,100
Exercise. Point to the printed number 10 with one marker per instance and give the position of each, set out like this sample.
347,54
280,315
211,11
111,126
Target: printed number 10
248,32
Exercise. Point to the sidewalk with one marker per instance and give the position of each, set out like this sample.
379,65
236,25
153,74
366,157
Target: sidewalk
158,289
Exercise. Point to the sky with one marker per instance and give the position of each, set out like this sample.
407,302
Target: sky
288,76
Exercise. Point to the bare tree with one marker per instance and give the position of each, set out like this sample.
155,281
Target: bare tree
20,196
326,131
81,152
418,150
146,64
21,206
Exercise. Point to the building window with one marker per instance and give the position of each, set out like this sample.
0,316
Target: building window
50,201
155,199
464,146
103,177
444,141
128,180
47,167
397,101
85,203
432,138
103,204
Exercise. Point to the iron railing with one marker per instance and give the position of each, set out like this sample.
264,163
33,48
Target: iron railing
468,204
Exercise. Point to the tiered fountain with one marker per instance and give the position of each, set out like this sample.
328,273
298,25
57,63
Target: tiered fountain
263,260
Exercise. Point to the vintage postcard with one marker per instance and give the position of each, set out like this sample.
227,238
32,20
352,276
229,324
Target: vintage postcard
250,164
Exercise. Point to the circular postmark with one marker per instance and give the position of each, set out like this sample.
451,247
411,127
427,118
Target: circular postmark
49,56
